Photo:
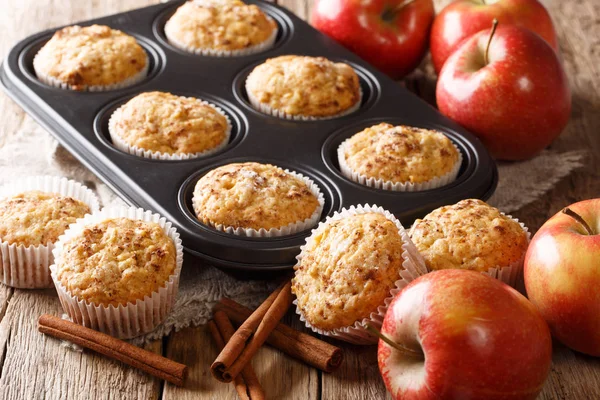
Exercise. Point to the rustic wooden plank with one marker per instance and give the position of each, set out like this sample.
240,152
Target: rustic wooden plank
37,366
280,376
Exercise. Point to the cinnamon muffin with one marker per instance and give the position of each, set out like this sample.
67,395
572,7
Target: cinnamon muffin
159,124
399,158
255,199
91,58
221,28
347,269
35,218
116,261
469,235
300,87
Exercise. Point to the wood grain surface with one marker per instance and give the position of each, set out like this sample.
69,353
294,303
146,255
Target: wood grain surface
34,367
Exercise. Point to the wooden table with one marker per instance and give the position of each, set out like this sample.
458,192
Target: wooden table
33,366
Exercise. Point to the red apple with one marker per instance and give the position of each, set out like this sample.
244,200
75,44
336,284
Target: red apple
462,335
517,99
390,34
463,18
562,275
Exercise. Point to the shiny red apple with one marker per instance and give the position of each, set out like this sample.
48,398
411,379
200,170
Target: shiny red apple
463,18
390,34
562,275
515,95
460,334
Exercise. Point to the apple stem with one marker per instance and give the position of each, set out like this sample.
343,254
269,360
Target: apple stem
579,219
404,350
487,47
400,6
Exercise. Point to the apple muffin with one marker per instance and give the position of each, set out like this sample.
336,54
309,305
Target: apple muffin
35,218
220,28
301,87
399,158
116,261
347,269
254,199
159,125
91,58
469,235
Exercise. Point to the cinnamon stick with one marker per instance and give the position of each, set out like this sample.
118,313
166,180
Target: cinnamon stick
109,346
254,388
296,344
238,382
252,334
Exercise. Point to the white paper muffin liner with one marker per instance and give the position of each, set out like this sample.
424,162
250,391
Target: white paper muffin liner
28,267
436,182
266,109
289,229
133,319
414,266
54,82
512,273
120,144
257,48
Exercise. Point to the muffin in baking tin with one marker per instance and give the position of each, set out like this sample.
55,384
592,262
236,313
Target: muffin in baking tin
220,28
161,125
302,87
93,58
400,158
253,199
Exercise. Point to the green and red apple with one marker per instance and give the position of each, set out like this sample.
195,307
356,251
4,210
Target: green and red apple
463,18
562,275
507,87
460,334
392,35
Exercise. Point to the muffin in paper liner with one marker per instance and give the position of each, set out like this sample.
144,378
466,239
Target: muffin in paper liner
120,144
133,319
257,48
28,267
265,109
510,274
436,182
132,80
414,266
281,231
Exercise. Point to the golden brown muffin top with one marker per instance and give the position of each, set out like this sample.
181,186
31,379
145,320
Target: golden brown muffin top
400,153
305,86
253,195
90,56
166,123
116,261
36,218
347,269
219,24
469,235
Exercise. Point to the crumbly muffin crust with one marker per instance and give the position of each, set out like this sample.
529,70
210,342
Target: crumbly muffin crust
252,195
468,235
90,56
220,25
400,153
347,269
36,218
116,261
304,86
163,122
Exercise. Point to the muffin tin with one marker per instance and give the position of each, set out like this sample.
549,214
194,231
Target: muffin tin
79,121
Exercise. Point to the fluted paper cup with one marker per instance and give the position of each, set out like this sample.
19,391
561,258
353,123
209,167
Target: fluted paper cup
413,264
28,267
133,319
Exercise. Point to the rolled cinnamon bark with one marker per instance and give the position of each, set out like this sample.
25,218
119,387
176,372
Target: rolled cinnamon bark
252,334
296,344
